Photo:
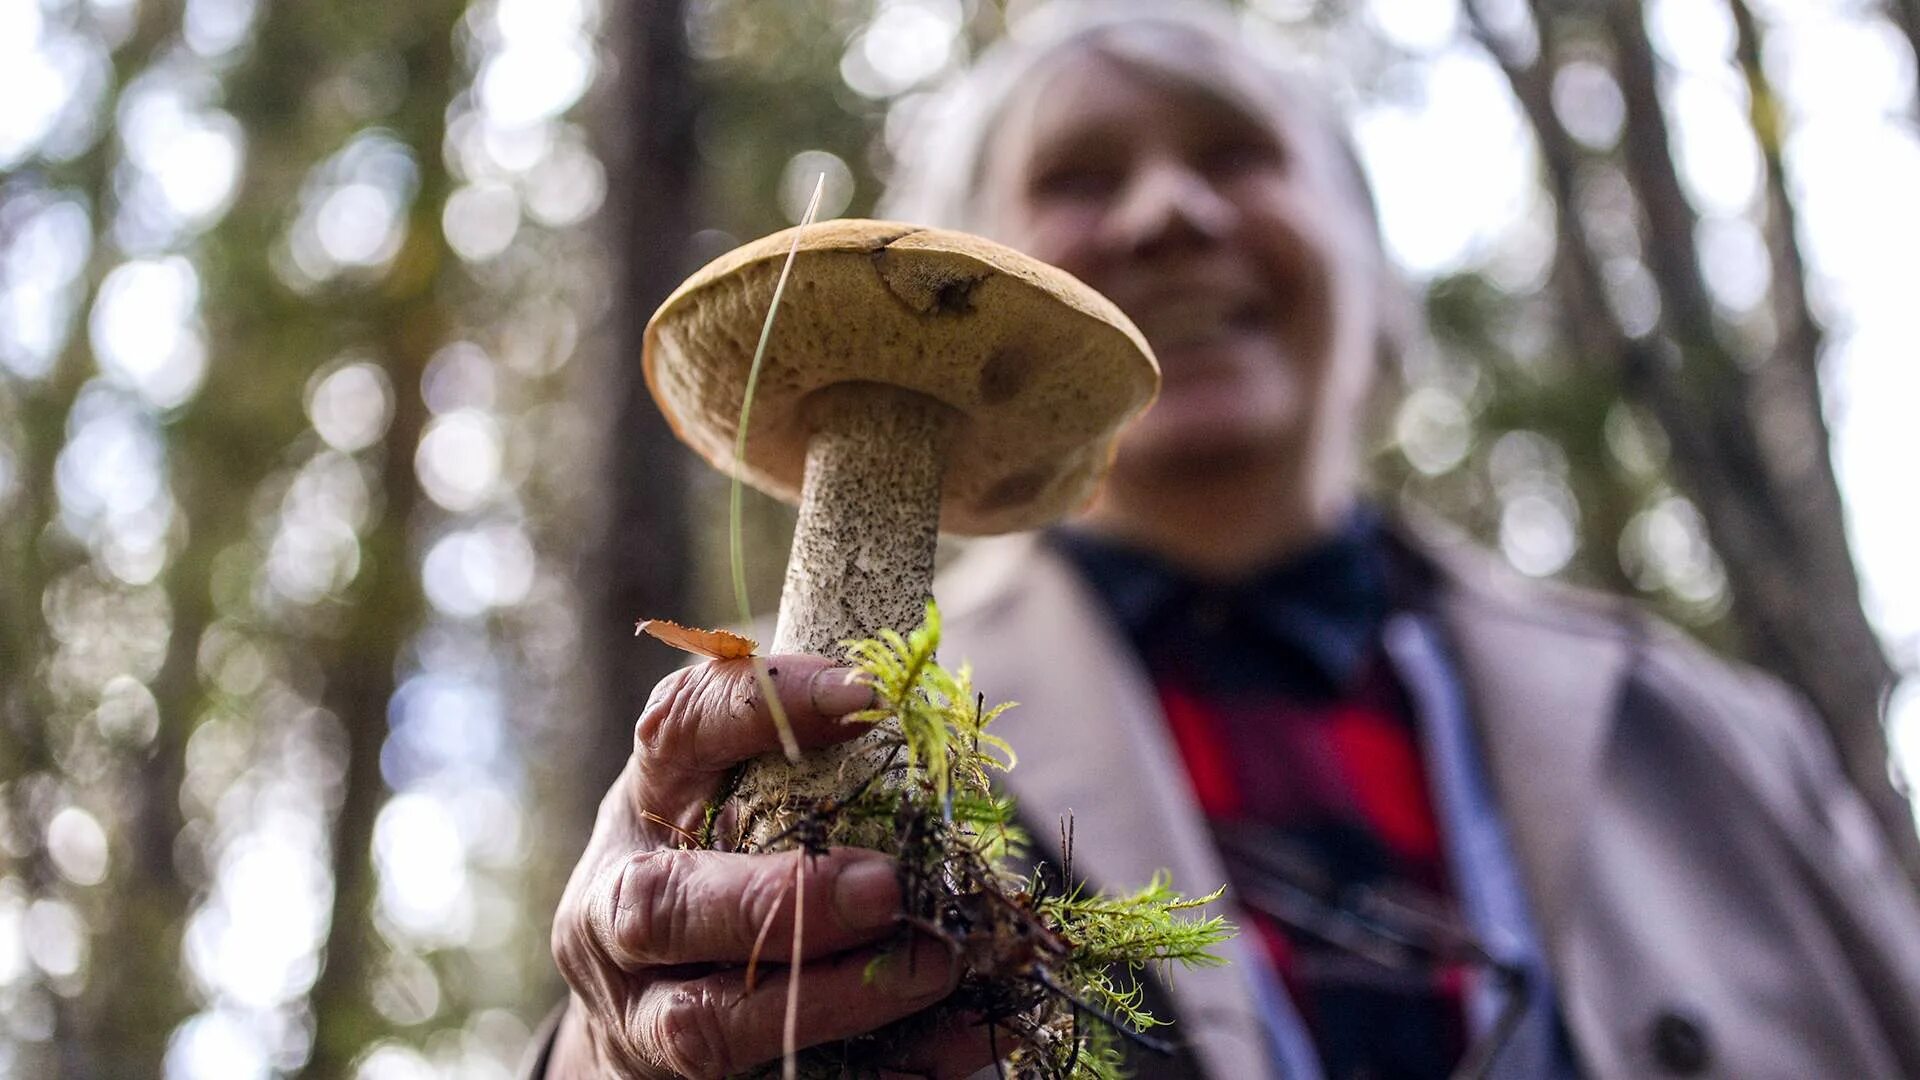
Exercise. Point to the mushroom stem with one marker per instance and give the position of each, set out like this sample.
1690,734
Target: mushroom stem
862,561
862,558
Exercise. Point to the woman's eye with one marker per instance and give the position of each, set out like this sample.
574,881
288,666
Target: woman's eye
1076,182
1237,157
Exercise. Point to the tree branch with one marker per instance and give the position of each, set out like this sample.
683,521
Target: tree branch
1577,273
1906,16
1800,334
1751,450
1755,451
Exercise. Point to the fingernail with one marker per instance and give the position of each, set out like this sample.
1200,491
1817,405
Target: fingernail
838,691
866,895
924,971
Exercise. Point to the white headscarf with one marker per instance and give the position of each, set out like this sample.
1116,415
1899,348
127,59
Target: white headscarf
1204,45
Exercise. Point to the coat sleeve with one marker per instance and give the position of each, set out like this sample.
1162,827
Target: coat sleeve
1874,909
533,1066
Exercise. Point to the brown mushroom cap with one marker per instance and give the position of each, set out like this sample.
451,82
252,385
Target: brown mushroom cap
1042,370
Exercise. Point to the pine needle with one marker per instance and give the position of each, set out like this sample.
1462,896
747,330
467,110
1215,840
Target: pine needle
760,943
688,838
789,1034
737,547
789,1064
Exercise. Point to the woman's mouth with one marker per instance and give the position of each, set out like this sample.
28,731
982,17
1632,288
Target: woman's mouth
1197,337
1199,321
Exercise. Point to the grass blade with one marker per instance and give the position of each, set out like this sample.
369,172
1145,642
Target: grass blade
736,546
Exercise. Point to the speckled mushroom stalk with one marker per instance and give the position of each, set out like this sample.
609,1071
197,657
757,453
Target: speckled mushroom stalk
863,545
862,561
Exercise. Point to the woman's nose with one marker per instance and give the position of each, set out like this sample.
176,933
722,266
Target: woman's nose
1168,206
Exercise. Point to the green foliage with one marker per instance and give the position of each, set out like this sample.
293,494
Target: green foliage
1058,970
1149,925
942,718
1113,939
1099,1055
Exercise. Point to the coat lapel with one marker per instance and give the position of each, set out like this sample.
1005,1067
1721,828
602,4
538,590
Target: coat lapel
1542,677
1091,744
1543,681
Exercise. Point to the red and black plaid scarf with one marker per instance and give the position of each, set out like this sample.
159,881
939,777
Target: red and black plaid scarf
1296,737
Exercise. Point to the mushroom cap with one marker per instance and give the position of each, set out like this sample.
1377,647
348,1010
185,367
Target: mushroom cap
1042,370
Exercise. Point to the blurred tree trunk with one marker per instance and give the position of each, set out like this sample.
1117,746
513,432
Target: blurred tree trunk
403,323
1748,438
363,671
1906,15
638,564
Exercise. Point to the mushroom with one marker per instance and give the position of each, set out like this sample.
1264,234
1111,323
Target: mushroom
917,380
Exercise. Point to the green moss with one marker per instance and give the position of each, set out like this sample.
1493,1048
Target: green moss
1058,969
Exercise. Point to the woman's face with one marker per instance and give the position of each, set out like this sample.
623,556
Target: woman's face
1237,243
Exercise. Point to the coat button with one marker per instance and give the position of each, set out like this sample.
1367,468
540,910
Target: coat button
1680,1044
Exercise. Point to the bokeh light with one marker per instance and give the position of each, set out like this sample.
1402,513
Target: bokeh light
907,43
810,169
51,239
351,405
352,211
145,330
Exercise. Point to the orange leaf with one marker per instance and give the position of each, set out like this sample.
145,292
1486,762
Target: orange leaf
718,644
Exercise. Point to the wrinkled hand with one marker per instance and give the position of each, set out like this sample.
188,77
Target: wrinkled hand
654,939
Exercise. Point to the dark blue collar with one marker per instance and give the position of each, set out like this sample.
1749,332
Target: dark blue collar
1305,625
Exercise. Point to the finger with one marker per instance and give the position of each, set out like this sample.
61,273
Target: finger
959,1046
702,720
715,1026
658,908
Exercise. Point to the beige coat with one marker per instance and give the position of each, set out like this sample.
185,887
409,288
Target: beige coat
1693,856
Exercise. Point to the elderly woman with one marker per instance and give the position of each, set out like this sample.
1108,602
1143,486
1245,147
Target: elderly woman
1469,824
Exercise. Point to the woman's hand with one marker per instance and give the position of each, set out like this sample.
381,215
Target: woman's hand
654,938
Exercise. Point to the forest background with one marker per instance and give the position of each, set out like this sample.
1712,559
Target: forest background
329,493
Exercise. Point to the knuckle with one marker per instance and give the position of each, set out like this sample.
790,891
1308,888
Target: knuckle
759,899
625,1051
649,922
663,723
571,941
568,942
686,1035
739,699
624,1047
584,967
